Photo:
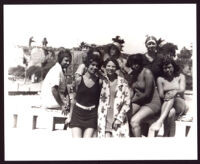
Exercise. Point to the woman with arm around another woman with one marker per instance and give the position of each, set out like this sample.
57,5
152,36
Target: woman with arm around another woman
171,87
84,114
114,103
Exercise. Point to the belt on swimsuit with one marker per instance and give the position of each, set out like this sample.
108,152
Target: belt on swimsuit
85,107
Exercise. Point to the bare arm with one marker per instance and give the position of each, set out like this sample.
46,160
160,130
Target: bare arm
77,82
61,99
56,94
149,80
160,87
166,107
182,84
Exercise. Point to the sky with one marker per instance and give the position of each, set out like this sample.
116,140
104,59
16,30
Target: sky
69,25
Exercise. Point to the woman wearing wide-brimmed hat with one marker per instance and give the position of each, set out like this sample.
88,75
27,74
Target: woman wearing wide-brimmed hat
114,51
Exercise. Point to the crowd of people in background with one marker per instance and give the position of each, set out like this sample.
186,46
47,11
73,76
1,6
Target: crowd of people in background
117,97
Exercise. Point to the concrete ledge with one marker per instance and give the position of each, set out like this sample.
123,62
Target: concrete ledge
30,117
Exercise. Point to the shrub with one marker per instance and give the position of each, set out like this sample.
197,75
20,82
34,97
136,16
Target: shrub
18,71
34,70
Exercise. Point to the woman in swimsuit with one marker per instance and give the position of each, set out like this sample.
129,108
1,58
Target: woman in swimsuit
145,99
171,87
84,114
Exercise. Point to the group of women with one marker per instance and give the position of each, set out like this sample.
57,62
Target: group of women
116,100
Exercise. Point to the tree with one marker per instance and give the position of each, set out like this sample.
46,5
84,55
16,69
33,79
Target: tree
167,48
17,71
185,53
185,62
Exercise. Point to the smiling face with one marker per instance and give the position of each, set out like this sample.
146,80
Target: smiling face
65,62
93,67
151,45
168,70
111,68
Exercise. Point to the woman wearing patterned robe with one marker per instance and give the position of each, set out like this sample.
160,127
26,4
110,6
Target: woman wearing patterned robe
113,104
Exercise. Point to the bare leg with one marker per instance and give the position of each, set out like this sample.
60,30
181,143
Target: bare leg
180,106
88,133
169,123
172,128
95,134
77,132
134,109
137,119
130,113
155,127
152,132
108,135
166,107
180,109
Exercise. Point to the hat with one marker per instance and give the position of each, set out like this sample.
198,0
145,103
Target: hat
118,45
118,41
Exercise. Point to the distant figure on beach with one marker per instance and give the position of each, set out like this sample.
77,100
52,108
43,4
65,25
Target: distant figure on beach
44,42
54,93
30,41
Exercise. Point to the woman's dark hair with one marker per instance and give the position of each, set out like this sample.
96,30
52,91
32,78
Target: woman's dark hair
117,50
93,55
135,59
64,53
168,48
112,60
167,60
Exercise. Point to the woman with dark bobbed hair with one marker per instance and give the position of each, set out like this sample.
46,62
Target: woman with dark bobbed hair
84,114
171,87
145,100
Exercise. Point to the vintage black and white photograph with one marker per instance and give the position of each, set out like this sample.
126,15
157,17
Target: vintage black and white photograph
100,82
